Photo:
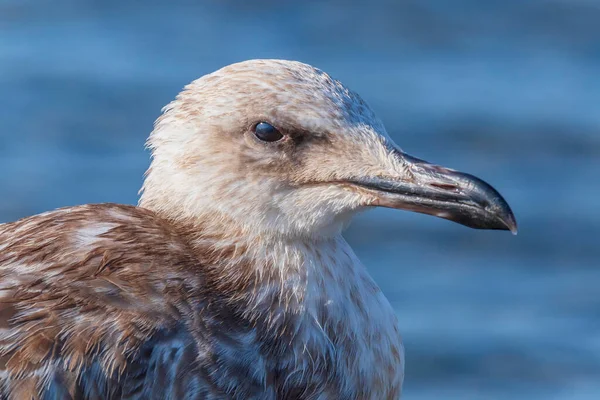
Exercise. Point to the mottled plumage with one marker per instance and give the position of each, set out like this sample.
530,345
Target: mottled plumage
231,280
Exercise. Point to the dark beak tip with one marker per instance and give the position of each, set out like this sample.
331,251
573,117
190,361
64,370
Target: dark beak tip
502,221
500,216
511,223
508,225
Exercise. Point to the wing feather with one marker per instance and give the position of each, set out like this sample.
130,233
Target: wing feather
91,300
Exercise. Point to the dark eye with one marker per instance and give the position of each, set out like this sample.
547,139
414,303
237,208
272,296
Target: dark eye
267,132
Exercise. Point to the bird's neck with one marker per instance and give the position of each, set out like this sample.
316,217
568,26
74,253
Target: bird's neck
312,301
293,272
292,263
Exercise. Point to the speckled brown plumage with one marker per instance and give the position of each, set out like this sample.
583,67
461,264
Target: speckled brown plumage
112,301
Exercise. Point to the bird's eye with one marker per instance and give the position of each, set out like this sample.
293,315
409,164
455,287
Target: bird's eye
267,132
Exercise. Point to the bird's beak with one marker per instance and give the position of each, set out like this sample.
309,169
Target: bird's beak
442,192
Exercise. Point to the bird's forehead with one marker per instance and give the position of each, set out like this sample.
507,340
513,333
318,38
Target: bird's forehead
289,91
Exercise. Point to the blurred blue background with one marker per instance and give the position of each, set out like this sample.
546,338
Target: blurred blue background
507,90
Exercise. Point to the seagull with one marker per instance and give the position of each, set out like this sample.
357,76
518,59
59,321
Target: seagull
231,278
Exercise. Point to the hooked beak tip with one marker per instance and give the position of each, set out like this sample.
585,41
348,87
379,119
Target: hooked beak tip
511,223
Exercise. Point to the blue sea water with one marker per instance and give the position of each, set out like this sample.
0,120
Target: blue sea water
507,90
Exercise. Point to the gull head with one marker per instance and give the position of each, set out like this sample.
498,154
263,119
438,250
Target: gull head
281,149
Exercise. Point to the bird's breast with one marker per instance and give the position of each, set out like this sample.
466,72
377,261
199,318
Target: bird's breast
340,332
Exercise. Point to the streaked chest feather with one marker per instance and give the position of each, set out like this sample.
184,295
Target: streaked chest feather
345,339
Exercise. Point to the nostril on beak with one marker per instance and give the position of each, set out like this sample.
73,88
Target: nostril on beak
445,186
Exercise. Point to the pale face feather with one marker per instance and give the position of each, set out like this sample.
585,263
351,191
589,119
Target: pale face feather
207,163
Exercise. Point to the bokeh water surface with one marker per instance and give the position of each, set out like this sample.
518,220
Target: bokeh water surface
508,90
